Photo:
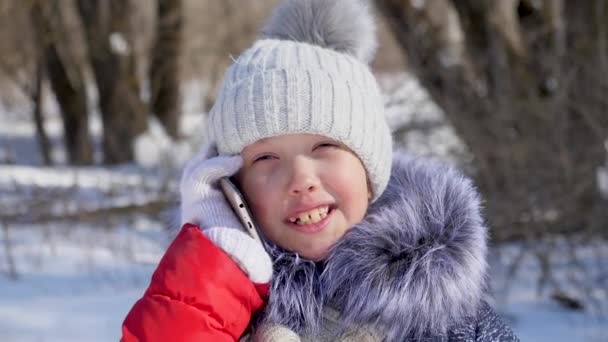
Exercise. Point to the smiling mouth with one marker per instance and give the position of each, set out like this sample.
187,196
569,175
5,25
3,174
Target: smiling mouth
312,216
312,228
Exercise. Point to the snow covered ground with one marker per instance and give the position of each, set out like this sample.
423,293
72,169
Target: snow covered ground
536,317
76,282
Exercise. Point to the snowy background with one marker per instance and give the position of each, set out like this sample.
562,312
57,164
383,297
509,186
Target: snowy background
69,276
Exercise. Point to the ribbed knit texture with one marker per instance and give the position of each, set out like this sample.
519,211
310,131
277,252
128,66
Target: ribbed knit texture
485,326
285,87
248,253
331,330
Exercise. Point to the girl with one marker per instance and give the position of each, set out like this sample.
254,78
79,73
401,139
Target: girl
361,244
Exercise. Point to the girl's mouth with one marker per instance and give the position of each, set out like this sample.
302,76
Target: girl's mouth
313,221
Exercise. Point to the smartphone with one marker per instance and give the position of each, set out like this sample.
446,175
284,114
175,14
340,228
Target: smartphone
237,202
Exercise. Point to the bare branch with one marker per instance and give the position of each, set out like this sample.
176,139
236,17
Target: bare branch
502,15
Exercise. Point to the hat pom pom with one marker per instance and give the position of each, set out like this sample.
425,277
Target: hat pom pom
345,26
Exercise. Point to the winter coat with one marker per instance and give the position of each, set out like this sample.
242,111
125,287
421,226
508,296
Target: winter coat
413,270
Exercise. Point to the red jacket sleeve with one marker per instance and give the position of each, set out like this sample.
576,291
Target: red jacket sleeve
197,293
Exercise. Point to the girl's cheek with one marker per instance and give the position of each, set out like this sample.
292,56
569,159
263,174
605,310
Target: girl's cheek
260,186
272,176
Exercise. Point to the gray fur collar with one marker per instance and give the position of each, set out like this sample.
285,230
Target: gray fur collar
415,266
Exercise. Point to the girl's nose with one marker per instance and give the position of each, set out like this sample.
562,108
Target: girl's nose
304,178
302,187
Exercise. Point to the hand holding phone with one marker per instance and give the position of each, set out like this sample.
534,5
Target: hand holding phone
205,204
238,204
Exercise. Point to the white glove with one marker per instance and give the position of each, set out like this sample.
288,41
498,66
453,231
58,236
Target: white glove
204,204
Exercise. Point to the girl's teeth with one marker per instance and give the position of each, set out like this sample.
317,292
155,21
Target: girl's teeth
312,216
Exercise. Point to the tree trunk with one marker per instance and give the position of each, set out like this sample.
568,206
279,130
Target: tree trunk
530,111
66,80
164,68
43,139
124,115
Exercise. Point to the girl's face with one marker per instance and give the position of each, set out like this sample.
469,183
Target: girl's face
305,191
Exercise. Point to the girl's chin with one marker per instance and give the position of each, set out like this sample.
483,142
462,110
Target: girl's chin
316,253
315,256
314,247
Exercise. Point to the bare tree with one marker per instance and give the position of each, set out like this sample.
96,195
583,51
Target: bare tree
36,96
66,77
164,67
216,30
522,82
22,67
124,114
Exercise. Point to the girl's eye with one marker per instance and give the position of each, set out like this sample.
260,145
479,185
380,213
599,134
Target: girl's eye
326,145
263,157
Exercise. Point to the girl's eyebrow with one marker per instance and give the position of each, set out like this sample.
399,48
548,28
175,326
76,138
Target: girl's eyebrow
259,148
263,143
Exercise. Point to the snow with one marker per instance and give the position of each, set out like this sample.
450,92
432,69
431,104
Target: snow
155,148
119,44
75,281
533,315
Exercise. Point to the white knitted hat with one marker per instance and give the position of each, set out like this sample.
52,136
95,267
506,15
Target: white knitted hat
308,74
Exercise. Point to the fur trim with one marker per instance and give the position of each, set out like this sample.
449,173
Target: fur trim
415,266
342,25
295,297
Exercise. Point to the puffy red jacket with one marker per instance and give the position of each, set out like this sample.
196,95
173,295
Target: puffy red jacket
197,293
